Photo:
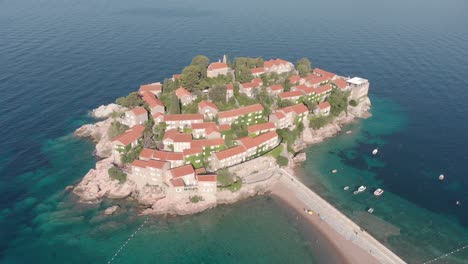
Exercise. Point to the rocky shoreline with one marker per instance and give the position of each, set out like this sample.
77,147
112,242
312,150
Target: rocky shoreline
97,185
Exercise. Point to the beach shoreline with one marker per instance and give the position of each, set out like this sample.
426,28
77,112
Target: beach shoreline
356,245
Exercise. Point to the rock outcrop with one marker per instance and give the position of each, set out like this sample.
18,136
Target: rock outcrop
300,157
111,210
97,184
98,133
105,111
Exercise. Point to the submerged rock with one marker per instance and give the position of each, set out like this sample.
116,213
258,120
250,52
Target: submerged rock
111,210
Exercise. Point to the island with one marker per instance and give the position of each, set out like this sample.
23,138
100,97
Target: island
224,131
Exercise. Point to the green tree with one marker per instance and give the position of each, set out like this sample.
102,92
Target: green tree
116,174
282,161
159,130
170,85
130,101
217,93
174,105
304,67
284,103
243,74
191,77
201,61
116,128
338,101
353,103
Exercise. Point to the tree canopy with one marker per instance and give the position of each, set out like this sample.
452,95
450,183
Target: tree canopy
130,101
338,101
304,67
217,93
243,74
191,77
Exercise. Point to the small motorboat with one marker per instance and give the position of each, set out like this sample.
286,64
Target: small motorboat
378,192
441,177
375,151
370,210
349,132
346,188
457,203
334,171
360,189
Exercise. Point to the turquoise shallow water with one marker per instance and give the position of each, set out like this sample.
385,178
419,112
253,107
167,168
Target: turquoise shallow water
59,59
417,234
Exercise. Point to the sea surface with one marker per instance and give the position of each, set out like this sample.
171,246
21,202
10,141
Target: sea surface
61,58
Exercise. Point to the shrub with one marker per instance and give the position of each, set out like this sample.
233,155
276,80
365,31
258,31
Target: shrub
116,174
115,129
130,101
320,121
353,103
196,198
282,161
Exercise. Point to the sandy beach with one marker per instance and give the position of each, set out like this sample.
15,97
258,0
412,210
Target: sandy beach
355,245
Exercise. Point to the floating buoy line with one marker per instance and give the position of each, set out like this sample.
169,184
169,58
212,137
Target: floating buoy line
446,255
128,240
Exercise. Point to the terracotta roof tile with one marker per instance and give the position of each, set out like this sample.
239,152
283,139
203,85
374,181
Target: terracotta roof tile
181,91
167,156
241,111
182,171
177,182
340,83
323,89
130,135
277,87
151,99
139,111
324,105
217,66
180,117
207,178
261,127
152,87
249,142
229,152
324,73
192,151
274,62
204,104
207,143
257,70
290,94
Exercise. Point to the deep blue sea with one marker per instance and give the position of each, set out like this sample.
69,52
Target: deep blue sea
61,58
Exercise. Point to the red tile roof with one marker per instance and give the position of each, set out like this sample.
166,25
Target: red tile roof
217,66
207,142
151,99
203,125
279,115
229,152
290,94
301,87
324,73
241,111
316,80
294,79
178,137
200,171
308,90
229,87
204,104
257,70
249,142
277,87
211,129
258,81
130,135
167,156
182,171
224,127
323,105
180,117
261,127
323,89
139,163
181,91
300,108
276,62
152,87
175,76
207,178
158,115
139,111
340,83
177,182
249,85
146,153
192,151
156,164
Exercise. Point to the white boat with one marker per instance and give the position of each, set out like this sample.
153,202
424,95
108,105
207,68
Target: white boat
334,171
378,192
349,132
360,189
375,151
441,177
370,210
346,188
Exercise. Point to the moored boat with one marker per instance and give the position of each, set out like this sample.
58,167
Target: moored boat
375,151
370,210
349,132
360,189
378,192
334,171
346,188
441,177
